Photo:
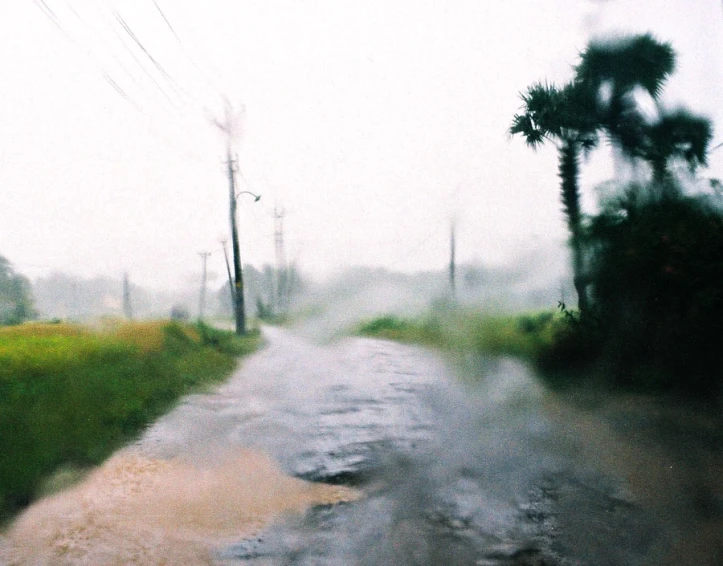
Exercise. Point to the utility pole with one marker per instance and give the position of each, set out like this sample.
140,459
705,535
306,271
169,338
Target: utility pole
227,127
127,306
281,272
452,265
202,298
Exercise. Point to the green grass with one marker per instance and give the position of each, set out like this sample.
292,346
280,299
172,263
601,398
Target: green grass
71,395
421,331
526,336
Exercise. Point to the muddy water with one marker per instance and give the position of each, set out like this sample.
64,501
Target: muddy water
372,453
140,510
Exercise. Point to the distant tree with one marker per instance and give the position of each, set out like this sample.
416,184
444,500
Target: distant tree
16,303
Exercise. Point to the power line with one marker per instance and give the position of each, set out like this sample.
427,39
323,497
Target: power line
171,81
109,49
107,75
186,53
45,9
138,62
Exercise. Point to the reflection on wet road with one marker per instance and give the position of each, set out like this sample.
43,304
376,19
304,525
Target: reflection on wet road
497,474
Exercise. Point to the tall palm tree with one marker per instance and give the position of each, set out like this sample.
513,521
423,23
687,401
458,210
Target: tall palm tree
615,70
600,97
565,116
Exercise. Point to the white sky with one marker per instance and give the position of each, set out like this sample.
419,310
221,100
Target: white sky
372,123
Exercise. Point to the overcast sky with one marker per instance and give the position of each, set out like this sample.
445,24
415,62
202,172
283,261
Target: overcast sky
371,122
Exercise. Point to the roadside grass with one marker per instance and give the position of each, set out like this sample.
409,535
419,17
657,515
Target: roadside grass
71,395
527,335
423,330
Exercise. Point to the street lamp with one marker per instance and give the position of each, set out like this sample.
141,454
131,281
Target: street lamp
257,198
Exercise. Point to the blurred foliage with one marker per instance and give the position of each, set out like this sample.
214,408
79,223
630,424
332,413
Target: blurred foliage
71,395
657,271
425,330
648,268
656,322
16,303
527,336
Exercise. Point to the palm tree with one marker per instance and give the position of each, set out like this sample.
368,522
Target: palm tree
677,134
566,116
602,96
616,71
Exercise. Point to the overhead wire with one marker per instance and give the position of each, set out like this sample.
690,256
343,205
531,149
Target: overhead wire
43,7
191,59
53,17
107,75
137,46
171,81
133,49
99,37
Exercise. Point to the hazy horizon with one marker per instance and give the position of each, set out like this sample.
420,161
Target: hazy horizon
372,124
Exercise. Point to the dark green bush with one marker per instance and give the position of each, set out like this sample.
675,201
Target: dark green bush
657,276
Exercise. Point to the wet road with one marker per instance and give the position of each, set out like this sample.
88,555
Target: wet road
450,475
498,473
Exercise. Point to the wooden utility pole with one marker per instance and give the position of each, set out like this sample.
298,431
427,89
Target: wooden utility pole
281,270
202,298
452,265
227,127
127,306
228,272
238,290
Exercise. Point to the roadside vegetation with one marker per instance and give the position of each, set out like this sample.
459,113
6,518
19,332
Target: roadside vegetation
16,303
463,330
70,395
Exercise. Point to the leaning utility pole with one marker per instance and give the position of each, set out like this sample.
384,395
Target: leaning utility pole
227,127
202,298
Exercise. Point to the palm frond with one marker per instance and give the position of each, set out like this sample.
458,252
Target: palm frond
524,125
626,62
683,134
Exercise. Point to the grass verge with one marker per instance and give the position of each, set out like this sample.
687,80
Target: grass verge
71,395
527,336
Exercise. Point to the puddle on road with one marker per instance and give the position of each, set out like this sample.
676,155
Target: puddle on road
136,510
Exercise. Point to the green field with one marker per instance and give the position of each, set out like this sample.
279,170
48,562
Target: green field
70,395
